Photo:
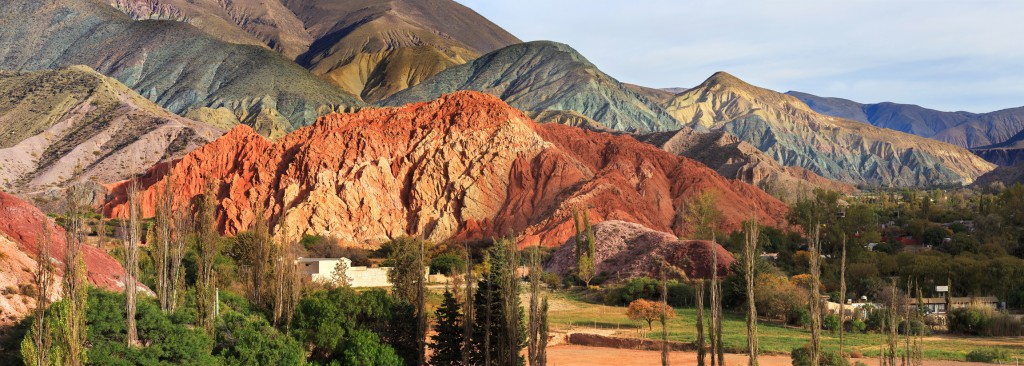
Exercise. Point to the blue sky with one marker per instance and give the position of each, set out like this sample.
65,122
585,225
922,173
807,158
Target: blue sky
947,55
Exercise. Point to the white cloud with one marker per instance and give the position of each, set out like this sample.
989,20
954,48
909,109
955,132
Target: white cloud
944,54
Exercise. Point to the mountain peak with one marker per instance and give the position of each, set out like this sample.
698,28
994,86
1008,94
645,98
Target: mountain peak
727,80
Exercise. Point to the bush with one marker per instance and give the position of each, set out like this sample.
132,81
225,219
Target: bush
916,327
802,357
986,355
679,294
447,263
799,317
971,320
855,325
832,323
551,279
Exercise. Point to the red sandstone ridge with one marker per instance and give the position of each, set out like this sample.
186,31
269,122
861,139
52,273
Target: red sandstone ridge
463,166
21,227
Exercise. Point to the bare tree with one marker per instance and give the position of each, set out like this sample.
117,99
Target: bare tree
815,296
207,247
842,298
160,246
700,284
181,233
892,318
421,306
467,333
510,302
535,330
131,229
750,256
37,351
717,353
664,313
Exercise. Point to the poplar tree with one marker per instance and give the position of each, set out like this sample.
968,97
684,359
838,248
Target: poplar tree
842,298
815,303
499,333
750,256
37,346
537,330
585,248
132,235
72,311
207,248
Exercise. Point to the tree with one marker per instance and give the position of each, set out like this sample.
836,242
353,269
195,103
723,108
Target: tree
750,256
815,300
537,325
36,347
648,311
207,249
468,305
586,267
842,297
132,231
249,340
499,333
700,215
339,276
405,273
364,347
447,341
700,284
71,314
162,243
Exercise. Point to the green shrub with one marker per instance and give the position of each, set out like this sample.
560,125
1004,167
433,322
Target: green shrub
802,357
551,279
447,263
855,325
799,317
832,323
986,355
974,321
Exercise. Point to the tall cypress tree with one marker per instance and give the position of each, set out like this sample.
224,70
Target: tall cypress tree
447,342
492,335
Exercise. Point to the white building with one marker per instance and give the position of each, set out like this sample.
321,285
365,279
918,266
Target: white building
322,270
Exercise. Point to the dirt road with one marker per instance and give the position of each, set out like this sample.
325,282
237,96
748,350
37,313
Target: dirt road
572,355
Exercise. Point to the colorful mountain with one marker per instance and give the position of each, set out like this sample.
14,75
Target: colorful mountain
466,165
369,48
845,150
539,76
169,62
21,228
736,159
59,127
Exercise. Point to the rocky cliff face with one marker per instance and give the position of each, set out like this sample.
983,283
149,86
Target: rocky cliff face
59,127
737,159
539,76
624,250
463,166
172,63
791,133
21,227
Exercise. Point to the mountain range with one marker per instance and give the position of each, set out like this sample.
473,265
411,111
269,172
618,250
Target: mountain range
991,135
539,76
840,149
369,48
172,63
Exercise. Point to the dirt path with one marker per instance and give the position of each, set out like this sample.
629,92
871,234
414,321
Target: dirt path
572,355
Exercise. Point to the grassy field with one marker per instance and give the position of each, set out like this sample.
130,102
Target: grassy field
568,312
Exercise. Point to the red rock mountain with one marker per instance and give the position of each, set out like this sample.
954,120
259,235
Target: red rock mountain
463,166
21,227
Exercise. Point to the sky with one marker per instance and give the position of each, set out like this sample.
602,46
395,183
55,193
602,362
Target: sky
946,55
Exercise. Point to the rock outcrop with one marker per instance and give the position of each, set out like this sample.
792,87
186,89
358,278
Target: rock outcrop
21,227
59,127
849,151
463,166
542,75
624,250
737,159
172,63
